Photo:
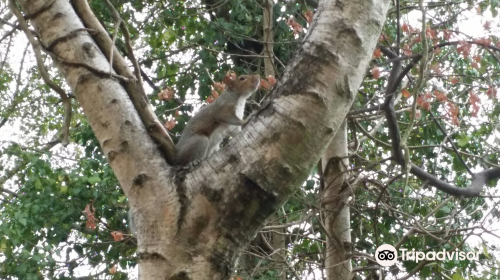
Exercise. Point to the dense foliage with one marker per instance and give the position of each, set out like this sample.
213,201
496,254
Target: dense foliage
63,214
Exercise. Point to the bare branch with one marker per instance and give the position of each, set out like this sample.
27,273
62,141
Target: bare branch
121,24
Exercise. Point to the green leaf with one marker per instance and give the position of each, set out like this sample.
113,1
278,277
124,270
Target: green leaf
36,258
494,4
93,180
63,189
485,251
446,209
457,276
38,184
462,141
426,272
3,246
22,220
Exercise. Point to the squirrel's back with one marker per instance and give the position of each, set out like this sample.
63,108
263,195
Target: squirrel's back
205,130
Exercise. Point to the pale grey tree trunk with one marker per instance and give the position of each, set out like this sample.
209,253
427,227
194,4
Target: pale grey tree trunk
277,239
335,211
193,225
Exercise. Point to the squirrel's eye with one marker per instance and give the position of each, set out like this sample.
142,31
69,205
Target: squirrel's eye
242,78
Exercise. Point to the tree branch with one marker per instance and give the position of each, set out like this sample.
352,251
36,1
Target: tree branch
480,179
134,90
22,164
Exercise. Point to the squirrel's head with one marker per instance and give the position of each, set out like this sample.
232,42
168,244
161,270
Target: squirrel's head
243,85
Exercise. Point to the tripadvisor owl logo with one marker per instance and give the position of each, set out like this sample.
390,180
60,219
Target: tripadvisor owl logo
386,255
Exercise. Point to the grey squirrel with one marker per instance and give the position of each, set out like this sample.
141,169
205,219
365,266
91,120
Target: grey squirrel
205,131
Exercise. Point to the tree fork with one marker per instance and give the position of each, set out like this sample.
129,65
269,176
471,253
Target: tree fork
134,89
231,194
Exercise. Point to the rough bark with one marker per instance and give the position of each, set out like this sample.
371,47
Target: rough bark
277,240
134,87
336,215
192,225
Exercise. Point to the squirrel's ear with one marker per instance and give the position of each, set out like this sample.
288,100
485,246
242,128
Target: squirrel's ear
228,81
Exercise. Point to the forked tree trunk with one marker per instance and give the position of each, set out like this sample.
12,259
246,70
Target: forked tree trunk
193,225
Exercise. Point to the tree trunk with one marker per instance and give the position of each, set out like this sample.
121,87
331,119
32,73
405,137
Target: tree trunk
193,224
335,211
278,240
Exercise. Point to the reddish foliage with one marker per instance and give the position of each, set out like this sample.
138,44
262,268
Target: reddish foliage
487,25
417,39
475,65
474,101
264,84
112,270
271,80
90,213
166,94
475,110
170,124
423,101
309,16
210,99
440,96
435,68
447,34
407,50
437,51
375,72
89,209
90,224
454,80
473,98
405,27
219,87
297,28
491,92
377,53
117,235
483,42
430,33
406,93
464,49
452,113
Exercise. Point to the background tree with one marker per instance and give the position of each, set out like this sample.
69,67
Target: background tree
183,48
